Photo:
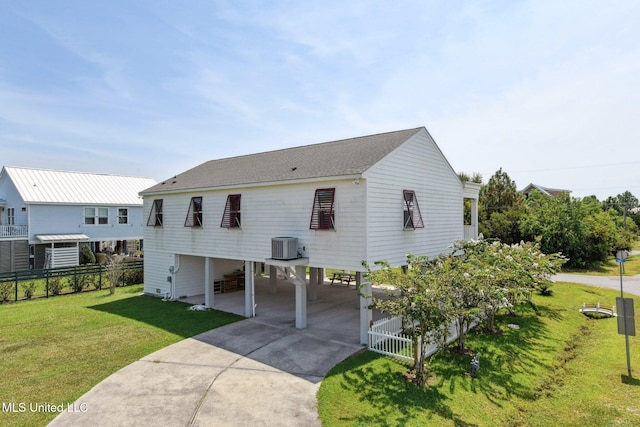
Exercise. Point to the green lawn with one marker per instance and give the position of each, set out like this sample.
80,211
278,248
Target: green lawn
611,268
560,368
54,350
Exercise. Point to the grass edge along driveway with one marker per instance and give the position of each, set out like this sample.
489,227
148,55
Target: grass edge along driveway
560,368
54,350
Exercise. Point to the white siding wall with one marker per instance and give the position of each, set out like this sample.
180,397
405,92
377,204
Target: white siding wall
156,271
416,165
368,216
266,212
10,194
190,276
66,219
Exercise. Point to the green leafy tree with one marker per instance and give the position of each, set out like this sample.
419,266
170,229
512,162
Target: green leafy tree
579,229
498,194
500,207
626,204
415,296
475,177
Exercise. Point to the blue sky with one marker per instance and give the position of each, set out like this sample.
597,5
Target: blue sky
547,90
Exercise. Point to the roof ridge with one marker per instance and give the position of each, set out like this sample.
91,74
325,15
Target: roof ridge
74,172
313,145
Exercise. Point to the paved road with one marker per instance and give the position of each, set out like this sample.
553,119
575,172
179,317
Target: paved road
630,284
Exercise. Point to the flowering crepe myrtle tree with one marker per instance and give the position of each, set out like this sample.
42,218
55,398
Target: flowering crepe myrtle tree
469,285
415,296
507,274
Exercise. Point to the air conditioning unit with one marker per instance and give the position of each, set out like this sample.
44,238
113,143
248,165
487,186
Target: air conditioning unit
284,248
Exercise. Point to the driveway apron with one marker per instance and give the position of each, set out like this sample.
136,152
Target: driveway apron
248,373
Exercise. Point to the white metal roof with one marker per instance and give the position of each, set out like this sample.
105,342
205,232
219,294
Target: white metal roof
61,187
49,238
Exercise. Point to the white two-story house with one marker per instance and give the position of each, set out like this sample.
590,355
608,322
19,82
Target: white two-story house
329,205
46,215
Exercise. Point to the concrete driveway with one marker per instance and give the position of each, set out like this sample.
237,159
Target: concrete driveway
260,372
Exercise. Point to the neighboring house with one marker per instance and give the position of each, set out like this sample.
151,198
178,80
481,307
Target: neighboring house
554,192
45,215
337,204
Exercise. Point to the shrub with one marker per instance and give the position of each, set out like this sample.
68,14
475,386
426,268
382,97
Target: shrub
134,277
55,286
79,283
29,290
87,256
94,280
6,289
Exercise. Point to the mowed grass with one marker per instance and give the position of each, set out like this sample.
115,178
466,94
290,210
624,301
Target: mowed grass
631,267
560,368
54,350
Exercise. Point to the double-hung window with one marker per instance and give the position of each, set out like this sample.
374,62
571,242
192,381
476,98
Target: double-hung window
103,216
322,216
89,216
194,216
155,216
231,215
93,216
412,215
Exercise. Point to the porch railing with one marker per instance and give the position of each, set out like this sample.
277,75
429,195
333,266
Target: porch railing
13,231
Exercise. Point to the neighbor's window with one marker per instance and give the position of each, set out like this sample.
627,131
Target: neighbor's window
322,216
412,216
155,216
123,216
103,216
194,216
231,216
89,216
11,216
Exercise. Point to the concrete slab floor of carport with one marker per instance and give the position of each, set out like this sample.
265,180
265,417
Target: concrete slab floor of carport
335,311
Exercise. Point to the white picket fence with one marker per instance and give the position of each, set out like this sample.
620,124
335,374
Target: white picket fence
386,337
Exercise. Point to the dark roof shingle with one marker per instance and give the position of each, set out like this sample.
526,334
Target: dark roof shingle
338,158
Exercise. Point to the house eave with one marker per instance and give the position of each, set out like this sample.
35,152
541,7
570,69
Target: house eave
254,184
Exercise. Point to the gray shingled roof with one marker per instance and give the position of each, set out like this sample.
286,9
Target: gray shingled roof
338,158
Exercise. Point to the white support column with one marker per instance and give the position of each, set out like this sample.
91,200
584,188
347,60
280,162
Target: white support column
366,314
249,290
301,297
208,282
313,284
320,276
273,279
474,217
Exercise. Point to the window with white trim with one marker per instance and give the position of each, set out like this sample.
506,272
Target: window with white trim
194,215
11,216
155,216
89,216
103,216
322,216
93,216
231,215
123,216
412,215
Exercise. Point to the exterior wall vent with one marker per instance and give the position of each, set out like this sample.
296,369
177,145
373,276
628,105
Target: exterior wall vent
284,248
